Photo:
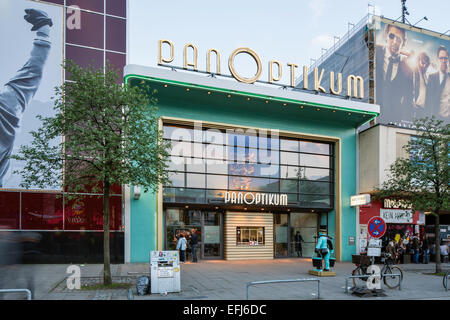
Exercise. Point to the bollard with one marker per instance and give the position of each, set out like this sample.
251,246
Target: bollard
130,294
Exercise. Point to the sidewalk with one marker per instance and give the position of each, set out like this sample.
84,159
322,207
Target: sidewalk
226,280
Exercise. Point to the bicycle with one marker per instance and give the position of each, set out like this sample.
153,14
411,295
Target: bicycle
445,281
362,264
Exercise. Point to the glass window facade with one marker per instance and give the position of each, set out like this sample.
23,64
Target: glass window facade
205,164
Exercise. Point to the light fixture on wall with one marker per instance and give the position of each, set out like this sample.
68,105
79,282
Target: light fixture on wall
136,192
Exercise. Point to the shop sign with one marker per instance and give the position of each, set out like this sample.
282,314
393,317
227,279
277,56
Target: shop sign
397,215
355,84
421,218
359,200
252,198
373,252
396,204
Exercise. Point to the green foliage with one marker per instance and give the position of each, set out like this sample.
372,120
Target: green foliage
422,179
102,133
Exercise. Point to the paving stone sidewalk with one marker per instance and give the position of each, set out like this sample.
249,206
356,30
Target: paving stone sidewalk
226,280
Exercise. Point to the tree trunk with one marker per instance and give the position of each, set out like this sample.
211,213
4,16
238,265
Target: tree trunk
106,252
437,243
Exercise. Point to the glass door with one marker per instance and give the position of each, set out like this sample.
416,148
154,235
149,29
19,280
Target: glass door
281,227
211,246
303,230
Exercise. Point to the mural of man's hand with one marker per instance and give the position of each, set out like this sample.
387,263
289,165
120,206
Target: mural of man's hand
37,18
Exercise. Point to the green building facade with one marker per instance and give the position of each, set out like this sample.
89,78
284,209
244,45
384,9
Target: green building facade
252,165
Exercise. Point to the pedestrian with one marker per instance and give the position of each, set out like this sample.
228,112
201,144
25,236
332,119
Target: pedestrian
425,249
194,244
415,247
181,245
391,252
444,252
298,244
187,235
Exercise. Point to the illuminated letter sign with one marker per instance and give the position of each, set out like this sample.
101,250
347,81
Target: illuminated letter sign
254,56
251,198
172,53
352,78
355,84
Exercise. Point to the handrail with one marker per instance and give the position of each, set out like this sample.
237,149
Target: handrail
17,290
249,284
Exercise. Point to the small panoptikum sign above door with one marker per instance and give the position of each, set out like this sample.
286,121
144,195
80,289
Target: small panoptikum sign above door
256,198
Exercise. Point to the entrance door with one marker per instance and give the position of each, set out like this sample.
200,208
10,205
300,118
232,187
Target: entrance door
281,240
207,225
211,247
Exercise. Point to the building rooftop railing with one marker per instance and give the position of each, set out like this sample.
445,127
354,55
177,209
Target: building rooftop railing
350,33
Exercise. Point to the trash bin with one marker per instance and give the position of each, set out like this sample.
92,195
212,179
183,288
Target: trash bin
164,271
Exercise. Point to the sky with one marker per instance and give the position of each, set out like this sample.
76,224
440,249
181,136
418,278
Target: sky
293,31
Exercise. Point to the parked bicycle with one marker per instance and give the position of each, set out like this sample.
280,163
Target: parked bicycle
362,264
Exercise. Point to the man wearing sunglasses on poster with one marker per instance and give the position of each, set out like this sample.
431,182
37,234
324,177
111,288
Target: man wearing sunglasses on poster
394,91
438,99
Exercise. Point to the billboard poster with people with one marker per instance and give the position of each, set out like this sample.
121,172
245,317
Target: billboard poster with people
31,62
412,74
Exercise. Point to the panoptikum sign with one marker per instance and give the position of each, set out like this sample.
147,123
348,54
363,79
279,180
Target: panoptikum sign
251,198
355,84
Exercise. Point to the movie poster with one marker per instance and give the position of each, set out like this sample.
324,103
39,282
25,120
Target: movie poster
31,62
412,74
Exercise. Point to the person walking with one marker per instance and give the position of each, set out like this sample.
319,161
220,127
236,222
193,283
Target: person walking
181,245
194,244
298,244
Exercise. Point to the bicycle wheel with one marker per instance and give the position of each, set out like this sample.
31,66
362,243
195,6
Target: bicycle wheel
392,281
358,281
444,280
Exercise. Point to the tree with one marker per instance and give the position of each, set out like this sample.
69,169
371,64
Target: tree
110,136
422,179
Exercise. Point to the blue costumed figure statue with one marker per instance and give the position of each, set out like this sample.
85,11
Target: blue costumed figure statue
323,249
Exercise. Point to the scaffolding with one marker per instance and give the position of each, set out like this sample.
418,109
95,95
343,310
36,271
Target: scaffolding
354,53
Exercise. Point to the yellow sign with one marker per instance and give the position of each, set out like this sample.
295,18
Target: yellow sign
355,84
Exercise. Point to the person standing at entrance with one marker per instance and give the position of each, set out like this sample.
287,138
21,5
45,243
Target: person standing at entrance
194,243
181,245
298,244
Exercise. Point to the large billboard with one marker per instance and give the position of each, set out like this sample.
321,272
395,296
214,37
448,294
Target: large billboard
31,63
412,74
